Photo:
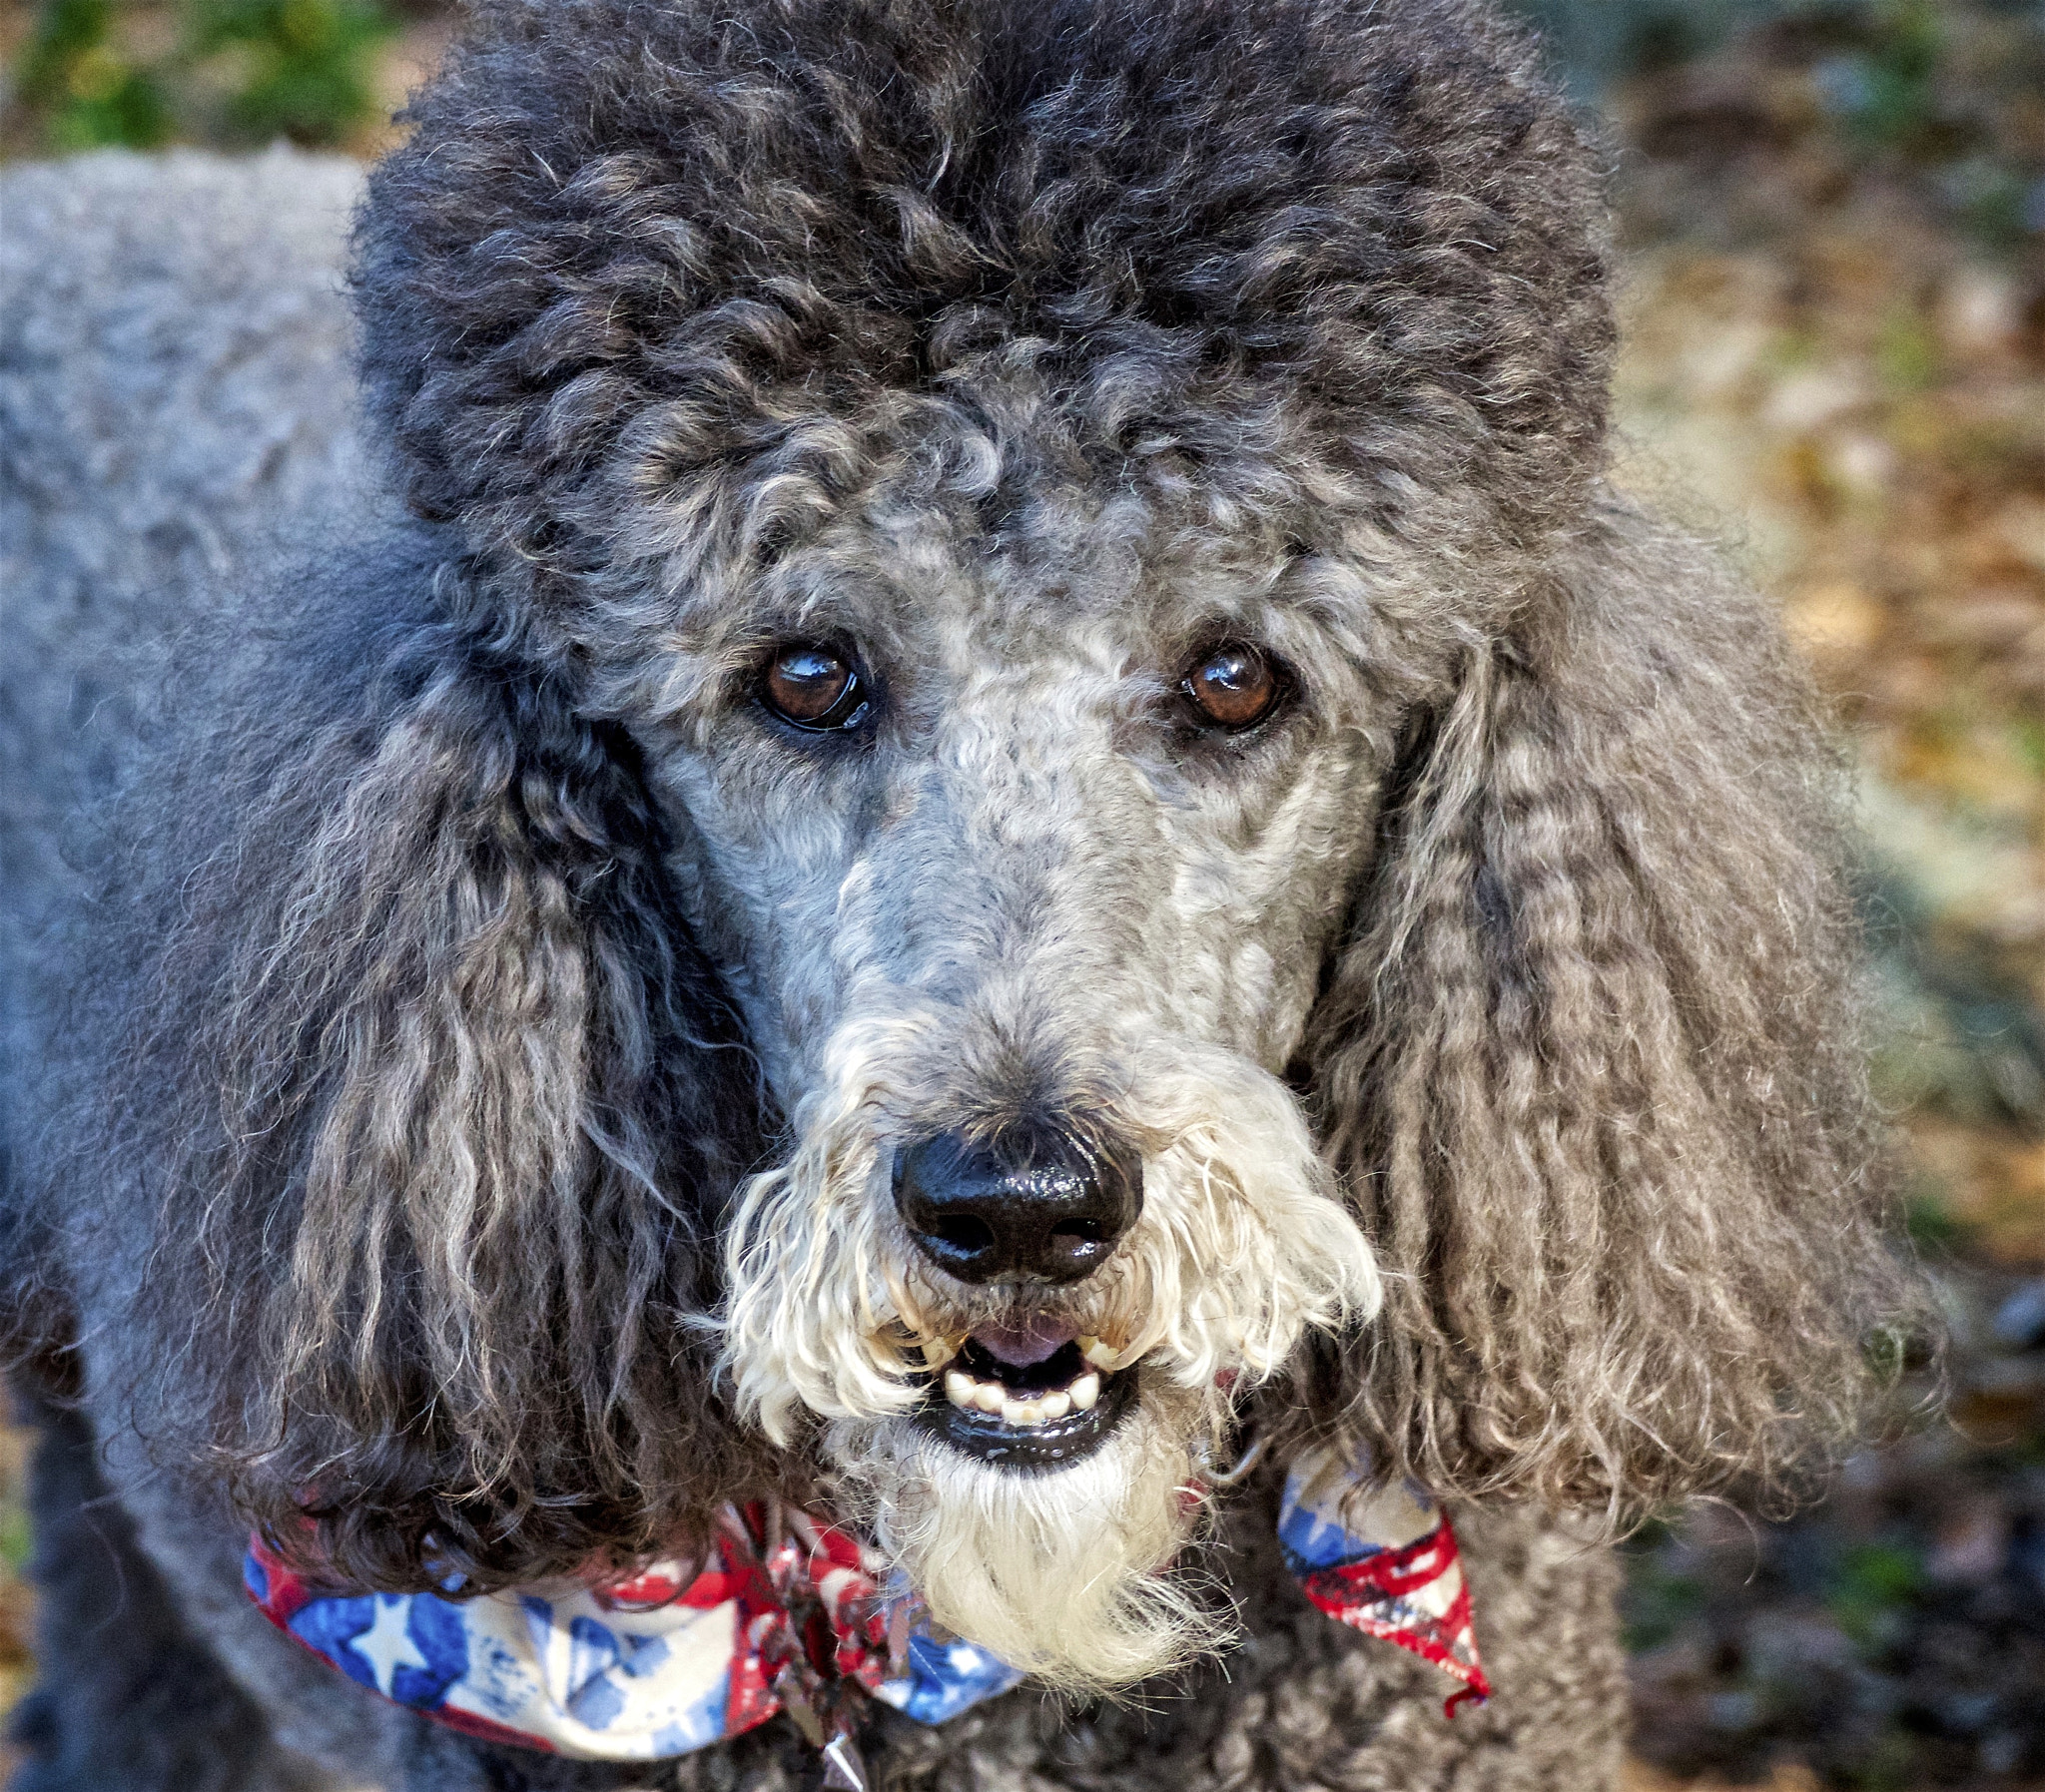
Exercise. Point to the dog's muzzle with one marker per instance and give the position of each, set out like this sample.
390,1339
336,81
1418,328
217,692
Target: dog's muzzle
1034,1393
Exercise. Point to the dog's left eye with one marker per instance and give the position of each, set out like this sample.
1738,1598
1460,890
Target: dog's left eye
815,688
1234,685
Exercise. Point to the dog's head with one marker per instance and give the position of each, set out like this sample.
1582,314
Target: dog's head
1052,580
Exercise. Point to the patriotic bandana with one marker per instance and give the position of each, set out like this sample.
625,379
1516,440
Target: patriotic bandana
790,1613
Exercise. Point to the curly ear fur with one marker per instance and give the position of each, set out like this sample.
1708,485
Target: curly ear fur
1591,1061
457,1105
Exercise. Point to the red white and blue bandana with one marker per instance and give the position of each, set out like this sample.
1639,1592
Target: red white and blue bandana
790,1613
1382,1560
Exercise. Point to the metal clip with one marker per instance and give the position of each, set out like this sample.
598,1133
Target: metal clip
792,1688
844,1768
1228,1477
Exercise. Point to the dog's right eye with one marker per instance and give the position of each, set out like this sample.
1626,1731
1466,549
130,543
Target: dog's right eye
815,688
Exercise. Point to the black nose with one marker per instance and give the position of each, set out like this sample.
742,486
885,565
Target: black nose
1051,1215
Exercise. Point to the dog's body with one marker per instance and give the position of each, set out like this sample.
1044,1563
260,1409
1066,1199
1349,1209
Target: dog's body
508,1079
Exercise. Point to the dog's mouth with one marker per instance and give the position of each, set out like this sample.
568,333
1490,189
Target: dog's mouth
1033,1397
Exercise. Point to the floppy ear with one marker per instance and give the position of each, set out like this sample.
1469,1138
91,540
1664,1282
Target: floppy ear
481,1102
1590,1061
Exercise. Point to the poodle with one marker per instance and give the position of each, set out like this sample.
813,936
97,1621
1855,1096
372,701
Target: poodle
932,960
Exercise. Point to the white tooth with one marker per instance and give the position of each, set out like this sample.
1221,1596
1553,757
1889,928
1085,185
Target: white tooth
958,1388
1086,1391
1099,1354
989,1397
1022,1412
1057,1405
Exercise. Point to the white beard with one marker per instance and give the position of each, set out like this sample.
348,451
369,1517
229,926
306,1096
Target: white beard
1242,1247
1061,1572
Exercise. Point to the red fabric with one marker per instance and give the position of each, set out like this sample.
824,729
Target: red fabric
1362,1593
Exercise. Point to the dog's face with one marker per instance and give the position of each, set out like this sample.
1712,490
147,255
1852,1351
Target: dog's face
1054,579
1022,851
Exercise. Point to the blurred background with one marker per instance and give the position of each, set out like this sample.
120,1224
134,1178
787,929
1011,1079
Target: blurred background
1832,232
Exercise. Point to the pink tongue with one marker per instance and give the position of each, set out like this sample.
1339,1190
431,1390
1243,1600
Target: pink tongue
1021,1346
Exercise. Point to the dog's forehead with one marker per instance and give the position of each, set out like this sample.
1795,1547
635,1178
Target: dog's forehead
1069,577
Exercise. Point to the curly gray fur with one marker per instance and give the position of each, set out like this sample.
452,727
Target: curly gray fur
463,939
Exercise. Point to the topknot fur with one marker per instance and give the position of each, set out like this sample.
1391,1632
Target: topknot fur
647,270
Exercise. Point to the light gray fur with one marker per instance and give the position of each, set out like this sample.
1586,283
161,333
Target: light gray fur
174,346
173,399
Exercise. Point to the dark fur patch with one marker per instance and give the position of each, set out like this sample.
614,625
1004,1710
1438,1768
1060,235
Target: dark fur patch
425,1101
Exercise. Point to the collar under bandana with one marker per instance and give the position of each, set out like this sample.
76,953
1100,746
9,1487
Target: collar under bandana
790,1613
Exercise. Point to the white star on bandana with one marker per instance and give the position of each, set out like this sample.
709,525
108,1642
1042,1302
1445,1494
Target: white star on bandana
386,1646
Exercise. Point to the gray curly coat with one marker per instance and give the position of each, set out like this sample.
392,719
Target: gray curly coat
419,938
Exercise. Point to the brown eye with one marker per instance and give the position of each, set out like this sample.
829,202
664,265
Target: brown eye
1234,687
813,687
